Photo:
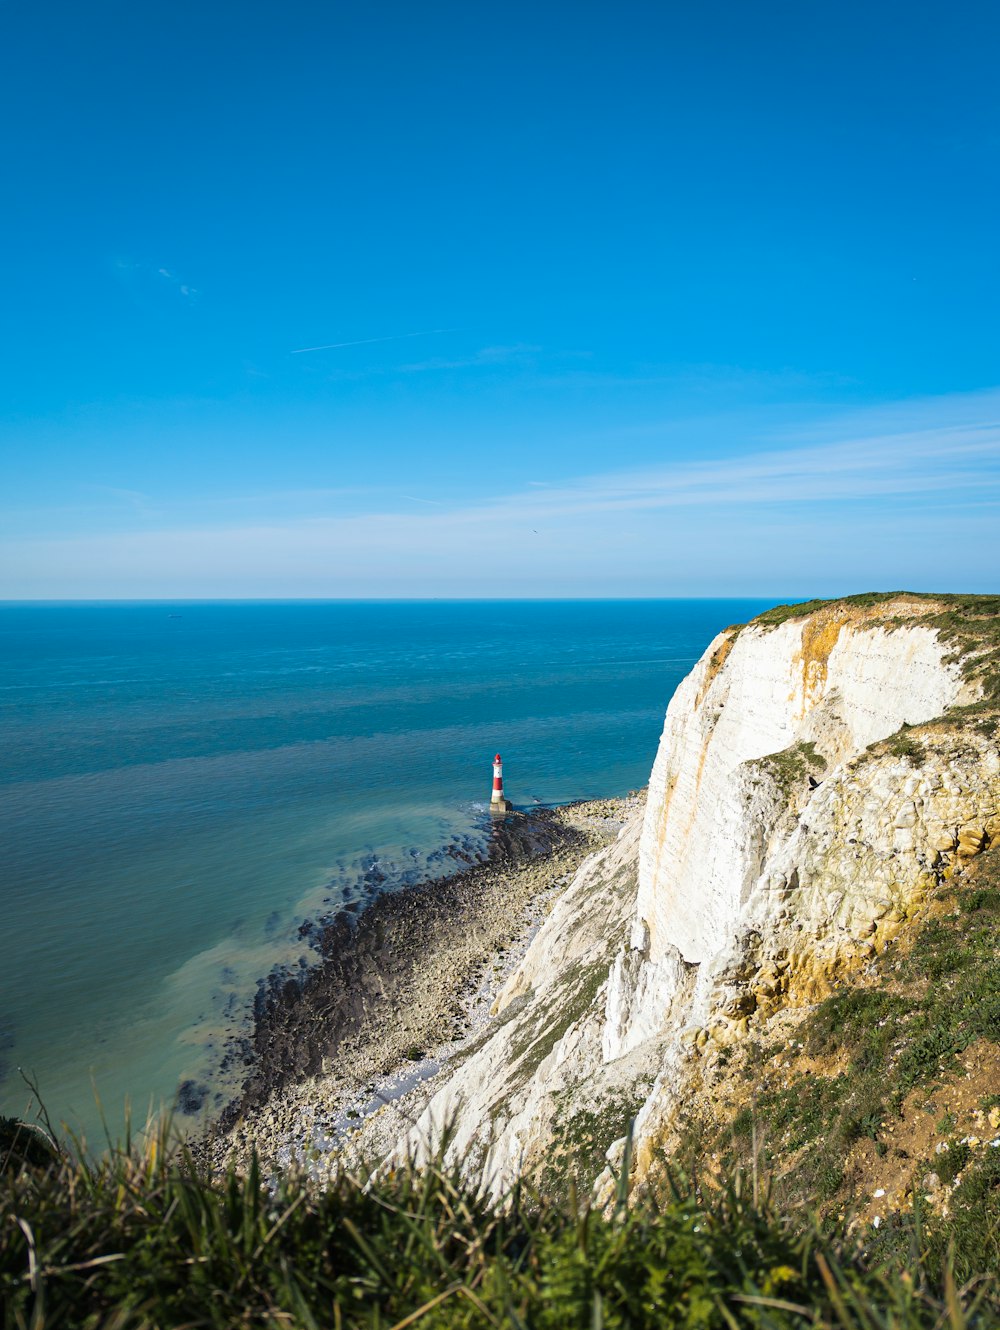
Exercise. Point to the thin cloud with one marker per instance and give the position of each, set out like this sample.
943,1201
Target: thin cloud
935,461
183,288
370,341
487,356
871,504
702,378
141,276
135,499
317,494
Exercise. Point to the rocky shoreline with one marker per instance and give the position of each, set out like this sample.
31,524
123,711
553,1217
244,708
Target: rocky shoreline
403,983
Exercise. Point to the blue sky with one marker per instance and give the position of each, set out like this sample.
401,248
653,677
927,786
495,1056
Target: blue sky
643,299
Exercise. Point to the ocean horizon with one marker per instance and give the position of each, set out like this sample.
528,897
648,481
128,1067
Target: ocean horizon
186,782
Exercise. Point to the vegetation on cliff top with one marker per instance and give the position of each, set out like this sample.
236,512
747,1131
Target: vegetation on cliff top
143,1239
969,624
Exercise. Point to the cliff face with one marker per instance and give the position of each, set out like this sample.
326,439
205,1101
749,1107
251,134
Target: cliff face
809,695
825,680
819,773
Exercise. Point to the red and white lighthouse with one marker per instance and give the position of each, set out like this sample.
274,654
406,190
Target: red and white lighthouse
498,804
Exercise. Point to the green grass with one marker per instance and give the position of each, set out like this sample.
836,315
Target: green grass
865,600
791,766
970,625
579,987
148,1240
903,744
581,1137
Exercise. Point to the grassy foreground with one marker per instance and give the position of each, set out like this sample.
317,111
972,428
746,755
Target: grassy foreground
145,1239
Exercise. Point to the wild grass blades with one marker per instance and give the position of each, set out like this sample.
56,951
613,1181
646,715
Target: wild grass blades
146,1237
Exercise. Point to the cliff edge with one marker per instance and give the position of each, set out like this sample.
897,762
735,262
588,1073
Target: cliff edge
825,773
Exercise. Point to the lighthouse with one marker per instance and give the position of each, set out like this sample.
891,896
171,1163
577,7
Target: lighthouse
498,804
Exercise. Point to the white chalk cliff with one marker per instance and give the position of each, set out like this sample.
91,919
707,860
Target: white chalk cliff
808,788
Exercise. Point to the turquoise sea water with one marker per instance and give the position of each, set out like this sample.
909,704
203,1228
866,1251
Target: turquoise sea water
181,785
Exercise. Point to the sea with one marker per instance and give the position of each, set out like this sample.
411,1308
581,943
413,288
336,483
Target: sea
185,785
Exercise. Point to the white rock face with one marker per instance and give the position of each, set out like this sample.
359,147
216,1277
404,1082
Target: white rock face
869,843
833,683
774,688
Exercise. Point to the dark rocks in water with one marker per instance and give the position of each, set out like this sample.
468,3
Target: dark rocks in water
239,1052
374,875
191,1097
369,955
278,989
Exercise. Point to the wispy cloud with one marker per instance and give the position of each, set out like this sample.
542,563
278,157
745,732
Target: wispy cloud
517,356
905,497
371,341
184,288
141,276
270,498
936,461
487,356
705,379
135,499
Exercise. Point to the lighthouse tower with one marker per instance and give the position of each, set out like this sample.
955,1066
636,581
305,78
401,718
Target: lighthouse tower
498,804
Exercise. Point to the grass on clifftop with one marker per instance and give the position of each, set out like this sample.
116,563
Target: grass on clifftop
145,1240
969,624
864,600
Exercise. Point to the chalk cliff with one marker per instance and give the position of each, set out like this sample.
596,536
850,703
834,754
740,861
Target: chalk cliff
820,770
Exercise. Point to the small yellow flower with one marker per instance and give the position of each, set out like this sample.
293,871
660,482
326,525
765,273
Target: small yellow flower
778,1275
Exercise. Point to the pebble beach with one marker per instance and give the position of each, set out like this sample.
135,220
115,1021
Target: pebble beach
344,1063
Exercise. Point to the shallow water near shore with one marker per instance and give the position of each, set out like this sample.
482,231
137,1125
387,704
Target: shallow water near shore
184,784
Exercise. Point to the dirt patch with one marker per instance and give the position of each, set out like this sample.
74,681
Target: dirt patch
926,1131
868,609
715,663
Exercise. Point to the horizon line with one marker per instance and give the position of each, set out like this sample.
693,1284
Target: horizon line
782,598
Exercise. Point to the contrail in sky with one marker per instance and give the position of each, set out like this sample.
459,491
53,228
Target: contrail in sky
367,341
